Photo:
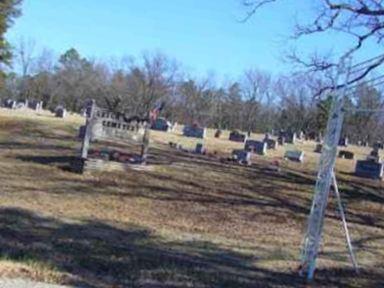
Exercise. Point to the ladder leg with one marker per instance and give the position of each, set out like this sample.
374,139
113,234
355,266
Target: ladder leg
344,221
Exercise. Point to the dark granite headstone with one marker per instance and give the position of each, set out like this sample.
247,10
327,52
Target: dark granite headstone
369,169
346,154
35,105
9,103
194,131
271,144
199,148
60,112
378,145
236,136
318,148
257,147
241,156
343,142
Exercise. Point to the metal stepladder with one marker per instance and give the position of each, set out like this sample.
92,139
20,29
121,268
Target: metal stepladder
326,178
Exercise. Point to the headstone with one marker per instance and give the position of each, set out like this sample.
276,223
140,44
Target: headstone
9,103
199,148
161,124
271,144
297,156
343,142
301,135
218,133
60,112
194,131
286,137
319,138
257,147
311,135
369,169
236,136
22,104
318,148
241,156
35,105
378,145
290,138
82,131
374,156
346,154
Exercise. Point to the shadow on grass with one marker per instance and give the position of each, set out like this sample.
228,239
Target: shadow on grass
100,255
62,162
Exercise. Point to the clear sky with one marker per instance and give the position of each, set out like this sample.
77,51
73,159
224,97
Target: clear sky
206,36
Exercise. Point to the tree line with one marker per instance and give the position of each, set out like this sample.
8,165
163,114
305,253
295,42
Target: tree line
256,101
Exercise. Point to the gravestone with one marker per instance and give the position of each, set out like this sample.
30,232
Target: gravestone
9,103
290,138
346,155
257,147
271,144
319,138
378,145
199,148
35,105
236,136
60,112
318,148
286,137
343,142
161,124
241,156
194,131
118,132
369,169
82,130
301,135
294,155
218,133
21,104
374,155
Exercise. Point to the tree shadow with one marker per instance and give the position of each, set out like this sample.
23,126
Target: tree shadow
97,254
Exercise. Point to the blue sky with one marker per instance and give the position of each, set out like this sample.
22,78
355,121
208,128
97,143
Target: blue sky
206,36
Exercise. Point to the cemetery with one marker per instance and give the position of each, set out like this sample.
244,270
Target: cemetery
194,182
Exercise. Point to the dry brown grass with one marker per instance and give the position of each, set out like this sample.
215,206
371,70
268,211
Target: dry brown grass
190,222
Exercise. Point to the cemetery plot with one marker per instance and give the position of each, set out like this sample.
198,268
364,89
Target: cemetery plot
120,139
144,221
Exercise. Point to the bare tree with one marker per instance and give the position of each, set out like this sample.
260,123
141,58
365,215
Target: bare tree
363,20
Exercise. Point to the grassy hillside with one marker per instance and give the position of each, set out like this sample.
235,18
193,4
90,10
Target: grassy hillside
189,222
